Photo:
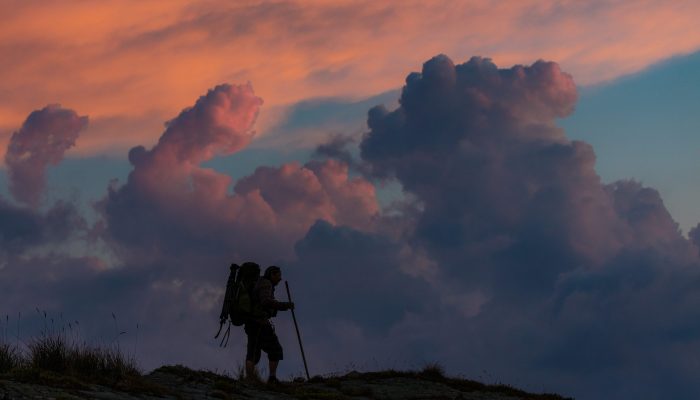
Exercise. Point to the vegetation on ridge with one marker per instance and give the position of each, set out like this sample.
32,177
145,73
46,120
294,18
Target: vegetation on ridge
57,359
348,385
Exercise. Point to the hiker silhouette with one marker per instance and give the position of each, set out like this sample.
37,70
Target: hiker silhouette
250,301
260,329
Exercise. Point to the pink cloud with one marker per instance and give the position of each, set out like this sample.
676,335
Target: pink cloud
170,199
518,256
318,190
152,57
42,140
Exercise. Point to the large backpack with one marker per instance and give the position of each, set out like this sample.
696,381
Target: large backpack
239,303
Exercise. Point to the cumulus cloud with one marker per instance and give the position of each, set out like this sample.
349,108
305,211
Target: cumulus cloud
572,273
171,203
479,148
41,141
508,253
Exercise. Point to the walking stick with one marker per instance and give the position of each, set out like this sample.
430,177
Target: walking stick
303,357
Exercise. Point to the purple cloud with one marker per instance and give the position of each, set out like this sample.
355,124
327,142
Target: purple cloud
572,277
41,141
172,204
508,254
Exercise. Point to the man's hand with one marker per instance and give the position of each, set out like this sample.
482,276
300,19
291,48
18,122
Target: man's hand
287,306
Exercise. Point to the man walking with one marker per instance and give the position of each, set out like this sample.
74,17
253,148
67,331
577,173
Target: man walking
259,329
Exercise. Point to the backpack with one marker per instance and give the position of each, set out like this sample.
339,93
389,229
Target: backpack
239,304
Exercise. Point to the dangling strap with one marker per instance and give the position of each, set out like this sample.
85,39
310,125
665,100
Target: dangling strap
221,325
227,335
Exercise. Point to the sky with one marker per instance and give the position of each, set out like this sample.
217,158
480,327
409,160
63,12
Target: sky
506,188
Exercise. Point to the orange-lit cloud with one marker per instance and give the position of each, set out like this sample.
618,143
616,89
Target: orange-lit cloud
269,211
136,62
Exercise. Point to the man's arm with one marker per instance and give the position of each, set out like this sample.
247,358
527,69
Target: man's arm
267,297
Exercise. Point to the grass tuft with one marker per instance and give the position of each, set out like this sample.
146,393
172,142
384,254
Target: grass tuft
57,358
10,358
432,371
54,353
48,353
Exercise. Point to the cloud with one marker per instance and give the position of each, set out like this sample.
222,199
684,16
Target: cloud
23,230
510,251
174,225
171,203
480,150
318,190
134,60
644,212
694,235
508,254
354,296
41,141
336,148
362,272
579,281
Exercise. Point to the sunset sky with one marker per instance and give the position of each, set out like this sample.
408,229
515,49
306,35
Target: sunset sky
508,188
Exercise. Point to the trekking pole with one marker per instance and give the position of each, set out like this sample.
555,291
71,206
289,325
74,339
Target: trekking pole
303,357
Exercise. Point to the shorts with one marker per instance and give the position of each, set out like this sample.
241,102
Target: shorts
262,337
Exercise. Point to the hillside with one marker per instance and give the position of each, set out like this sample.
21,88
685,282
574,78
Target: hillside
177,382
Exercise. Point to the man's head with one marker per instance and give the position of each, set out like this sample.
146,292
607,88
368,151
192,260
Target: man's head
274,274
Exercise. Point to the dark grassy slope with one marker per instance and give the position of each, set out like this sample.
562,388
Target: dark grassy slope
54,365
93,373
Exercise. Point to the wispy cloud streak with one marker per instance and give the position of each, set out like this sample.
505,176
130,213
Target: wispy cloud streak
157,56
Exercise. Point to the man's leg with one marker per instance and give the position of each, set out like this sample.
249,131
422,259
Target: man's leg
271,346
253,350
249,369
273,368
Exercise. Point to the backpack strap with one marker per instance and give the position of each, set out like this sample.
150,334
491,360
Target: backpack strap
227,335
221,325
228,298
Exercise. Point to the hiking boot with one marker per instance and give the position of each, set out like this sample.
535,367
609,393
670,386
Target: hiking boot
273,380
253,380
